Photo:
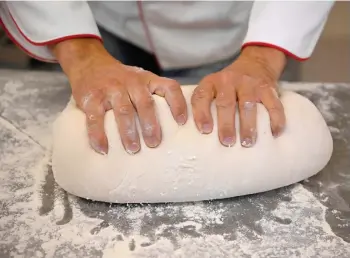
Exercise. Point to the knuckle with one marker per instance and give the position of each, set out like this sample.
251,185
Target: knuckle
172,85
256,83
125,109
146,102
269,92
275,109
226,78
200,94
224,104
85,101
246,95
90,100
91,118
276,106
264,85
134,81
115,95
247,104
95,117
223,101
247,78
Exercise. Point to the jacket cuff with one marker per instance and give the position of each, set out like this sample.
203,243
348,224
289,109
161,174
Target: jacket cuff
269,45
290,27
32,26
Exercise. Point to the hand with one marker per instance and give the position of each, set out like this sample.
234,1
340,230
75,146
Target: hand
100,83
250,79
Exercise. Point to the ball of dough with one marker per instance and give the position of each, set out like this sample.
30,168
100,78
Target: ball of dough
189,166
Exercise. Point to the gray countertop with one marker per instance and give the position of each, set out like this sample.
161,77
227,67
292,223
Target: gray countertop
38,219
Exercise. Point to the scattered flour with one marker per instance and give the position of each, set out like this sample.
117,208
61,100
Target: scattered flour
299,231
38,219
324,102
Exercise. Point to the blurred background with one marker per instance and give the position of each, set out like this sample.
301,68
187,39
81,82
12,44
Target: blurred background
330,61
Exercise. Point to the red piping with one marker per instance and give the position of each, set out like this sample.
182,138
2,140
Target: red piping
45,43
286,52
54,41
22,47
148,34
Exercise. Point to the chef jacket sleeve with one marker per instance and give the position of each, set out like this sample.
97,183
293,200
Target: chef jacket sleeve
33,25
292,27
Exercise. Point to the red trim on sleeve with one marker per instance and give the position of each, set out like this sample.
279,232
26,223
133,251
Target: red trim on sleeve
42,44
286,52
22,47
57,40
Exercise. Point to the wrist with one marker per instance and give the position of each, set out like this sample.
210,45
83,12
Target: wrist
76,53
274,59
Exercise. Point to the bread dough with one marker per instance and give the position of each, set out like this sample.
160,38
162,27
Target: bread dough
189,166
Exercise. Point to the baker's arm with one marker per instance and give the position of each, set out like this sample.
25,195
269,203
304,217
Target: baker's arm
34,25
292,27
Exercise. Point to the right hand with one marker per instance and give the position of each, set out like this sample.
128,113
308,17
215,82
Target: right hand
100,83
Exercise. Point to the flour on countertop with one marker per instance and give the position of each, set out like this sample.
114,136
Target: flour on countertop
323,100
38,219
295,227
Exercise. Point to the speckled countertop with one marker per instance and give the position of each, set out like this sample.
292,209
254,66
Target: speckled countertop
38,219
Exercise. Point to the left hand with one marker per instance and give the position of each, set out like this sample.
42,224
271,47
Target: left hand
252,78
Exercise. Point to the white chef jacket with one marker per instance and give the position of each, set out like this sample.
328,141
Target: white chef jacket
181,34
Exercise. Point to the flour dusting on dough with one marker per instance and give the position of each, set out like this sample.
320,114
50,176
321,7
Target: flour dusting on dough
38,219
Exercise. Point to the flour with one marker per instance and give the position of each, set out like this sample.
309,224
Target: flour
35,123
325,103
323,100
317,241
296,227
38,219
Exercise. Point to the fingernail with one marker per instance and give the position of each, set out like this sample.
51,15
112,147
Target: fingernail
133,148
247,142
152,142
228,141
98,148
206,128
181,119
278,133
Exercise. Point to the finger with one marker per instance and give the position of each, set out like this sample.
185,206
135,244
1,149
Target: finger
171,91
144,103
226,108
201,100
247,115
125,117
269,98
95,112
